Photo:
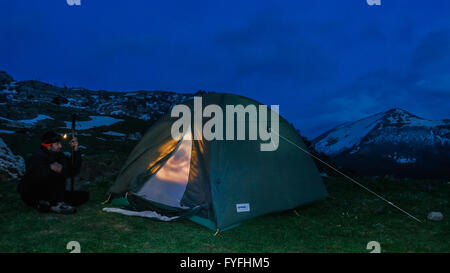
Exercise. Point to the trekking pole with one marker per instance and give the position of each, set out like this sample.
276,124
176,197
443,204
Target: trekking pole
72,153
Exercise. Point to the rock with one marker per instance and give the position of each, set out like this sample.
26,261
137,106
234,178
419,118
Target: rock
435,216
5,78
11,166
135,136
59,100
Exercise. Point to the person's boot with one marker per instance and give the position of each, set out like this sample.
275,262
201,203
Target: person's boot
63,208
43,206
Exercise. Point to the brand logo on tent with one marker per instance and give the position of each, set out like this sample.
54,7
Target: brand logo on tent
243,207
235,117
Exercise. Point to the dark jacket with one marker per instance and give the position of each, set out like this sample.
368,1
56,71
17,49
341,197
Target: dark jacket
38,172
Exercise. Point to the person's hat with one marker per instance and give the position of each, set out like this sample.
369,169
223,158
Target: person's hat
50,137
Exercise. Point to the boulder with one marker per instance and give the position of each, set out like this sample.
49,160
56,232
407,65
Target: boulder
435,216
11,166
135,136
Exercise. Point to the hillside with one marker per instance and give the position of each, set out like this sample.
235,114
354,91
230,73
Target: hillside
109,123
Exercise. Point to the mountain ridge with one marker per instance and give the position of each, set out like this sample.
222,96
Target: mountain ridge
400,142
142,104
396,141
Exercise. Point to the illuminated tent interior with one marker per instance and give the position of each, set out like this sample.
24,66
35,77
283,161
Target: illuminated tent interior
219,183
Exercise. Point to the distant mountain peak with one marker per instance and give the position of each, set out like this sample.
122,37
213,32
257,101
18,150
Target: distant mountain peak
397,110
389,139
398,115
347,135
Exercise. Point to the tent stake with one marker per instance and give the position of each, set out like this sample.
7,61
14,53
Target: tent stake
107,200
217,232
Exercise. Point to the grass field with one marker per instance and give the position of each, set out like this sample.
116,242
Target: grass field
344,223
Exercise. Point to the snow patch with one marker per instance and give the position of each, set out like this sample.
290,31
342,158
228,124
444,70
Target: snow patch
6,91
402,159
145,117
118,112
35,120
347,135
6,119
112,133
69,104
355,150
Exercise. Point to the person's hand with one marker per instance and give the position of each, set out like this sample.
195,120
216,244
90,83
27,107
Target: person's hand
74,144
56,167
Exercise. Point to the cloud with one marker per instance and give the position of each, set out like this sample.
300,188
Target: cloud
433,52
270,48
379,91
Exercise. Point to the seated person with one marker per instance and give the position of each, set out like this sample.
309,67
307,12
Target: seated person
44,184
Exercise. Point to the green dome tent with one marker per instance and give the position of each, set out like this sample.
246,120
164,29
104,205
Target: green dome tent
216,183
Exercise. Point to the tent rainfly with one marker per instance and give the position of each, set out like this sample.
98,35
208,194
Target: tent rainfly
216,183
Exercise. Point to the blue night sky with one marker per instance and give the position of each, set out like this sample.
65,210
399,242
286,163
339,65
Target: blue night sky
323,62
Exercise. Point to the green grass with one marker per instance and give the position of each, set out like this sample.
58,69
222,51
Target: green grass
344,223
